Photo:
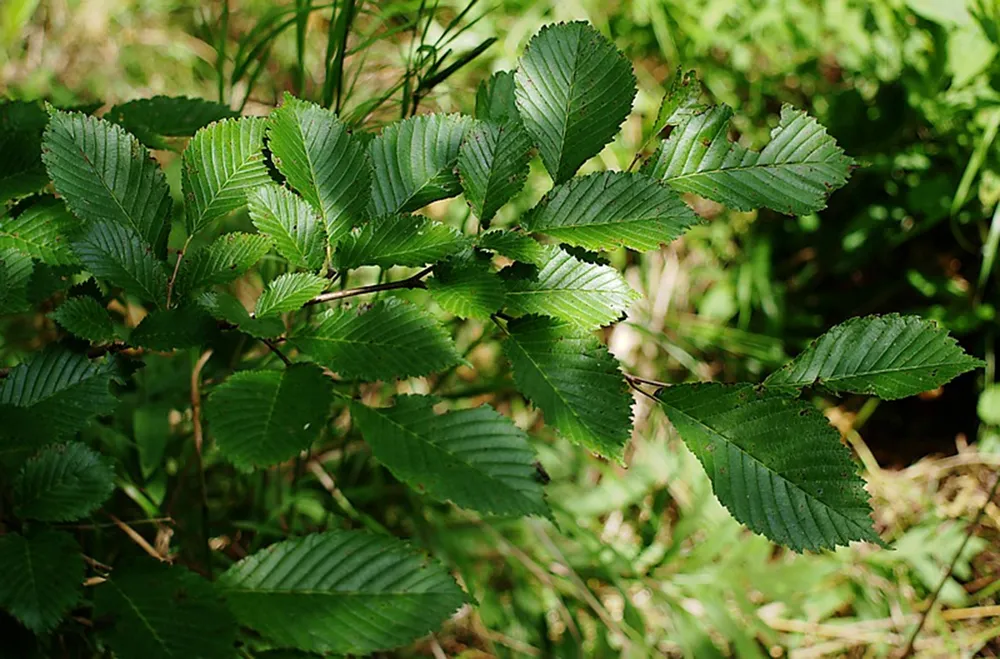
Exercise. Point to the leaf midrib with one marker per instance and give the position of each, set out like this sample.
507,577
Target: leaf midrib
884,371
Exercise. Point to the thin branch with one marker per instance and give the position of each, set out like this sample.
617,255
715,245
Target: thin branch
177,267
198,442
416,281
951,566
655,383
138,539
274,348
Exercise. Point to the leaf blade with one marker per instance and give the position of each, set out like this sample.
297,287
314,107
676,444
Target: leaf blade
292,225
41,578
63,483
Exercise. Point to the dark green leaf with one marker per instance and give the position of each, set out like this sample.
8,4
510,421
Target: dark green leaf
611,209
341,591
85,317
224,260
515,245
63,483
154,119
42,231
21,170
115,253
774,462
262,418
41,577
574,380
475,458
493,165
405,240
159,612
886,356
323,162
573,90
414,162
392,339
495,99
173,329
291,223
467,288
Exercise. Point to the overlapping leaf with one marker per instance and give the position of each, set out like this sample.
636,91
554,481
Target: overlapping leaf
15,273
225,259
291,223
495,99
414,162
42,231
116,254
886,356
574,380
774,462
41,577
406,240
573,90
794,173
21,169
261,418
493,165
611,209
323,162
515,245
586,294
392,339
186,326
54,394
155,119
106,176
225,307
154,611
475,458
85,317
288,292
64,482
340,591
220,164
467,288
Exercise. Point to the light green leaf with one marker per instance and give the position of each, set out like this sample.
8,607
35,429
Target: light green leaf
262,418
573,90
289,292
106,176
611,209
15,273
886,356
405,240
225,259
115,253
586,294
680,101
41,577
341,591
414,162
475,458
85,317
162,612
467,288
495,99
54,394
21,169
794,173
291,223
574,380
220,164
173,329
155,119
493,165
515,245
392,339
42,231
63,483
225,307
774,462
323,162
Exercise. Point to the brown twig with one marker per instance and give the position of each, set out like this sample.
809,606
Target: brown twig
198,442
274,348
177,268
415,281
908,650
138,539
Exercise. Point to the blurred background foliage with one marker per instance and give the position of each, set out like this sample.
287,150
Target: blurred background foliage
645,562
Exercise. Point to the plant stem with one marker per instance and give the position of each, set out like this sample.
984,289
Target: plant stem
274,348
951,566
415,281
198,441
177,268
